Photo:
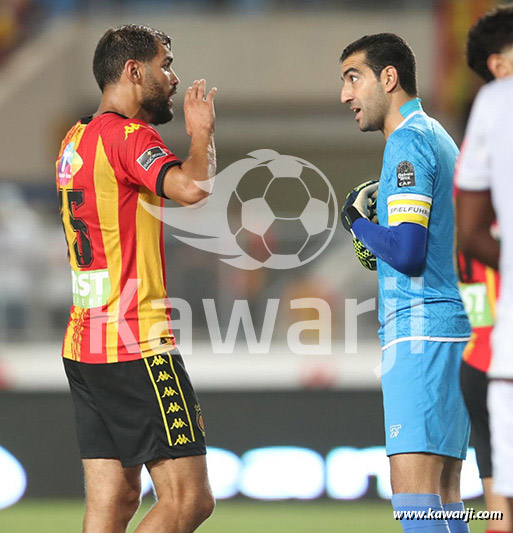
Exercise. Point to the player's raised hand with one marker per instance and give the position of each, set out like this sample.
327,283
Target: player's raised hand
199,110
360,202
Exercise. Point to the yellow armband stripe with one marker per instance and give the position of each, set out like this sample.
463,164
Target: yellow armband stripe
412,208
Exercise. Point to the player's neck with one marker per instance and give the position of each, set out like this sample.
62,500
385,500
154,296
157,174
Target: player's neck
394,116
123,104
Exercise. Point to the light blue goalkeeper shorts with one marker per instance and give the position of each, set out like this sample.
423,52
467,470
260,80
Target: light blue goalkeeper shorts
422,399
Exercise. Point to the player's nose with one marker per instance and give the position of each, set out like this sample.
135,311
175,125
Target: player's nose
175,80
346,95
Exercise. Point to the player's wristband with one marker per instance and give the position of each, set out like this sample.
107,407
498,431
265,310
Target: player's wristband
349,215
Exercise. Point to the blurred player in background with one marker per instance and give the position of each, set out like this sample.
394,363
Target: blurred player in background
134,402
424,327
484,163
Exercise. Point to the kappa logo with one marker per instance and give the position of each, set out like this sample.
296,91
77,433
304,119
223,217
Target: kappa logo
178,423
182,439
131,128
169,391
174,408
158,360
163,376
394,430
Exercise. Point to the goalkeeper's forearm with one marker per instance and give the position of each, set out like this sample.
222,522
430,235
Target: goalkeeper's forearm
403,247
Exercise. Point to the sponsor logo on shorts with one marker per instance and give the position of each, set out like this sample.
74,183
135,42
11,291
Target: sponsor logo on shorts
174,407
158,360
176,415
394,430
169,391
163,376
181,440
178,423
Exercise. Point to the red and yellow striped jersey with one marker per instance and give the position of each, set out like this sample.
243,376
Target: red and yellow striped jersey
106,167
479,288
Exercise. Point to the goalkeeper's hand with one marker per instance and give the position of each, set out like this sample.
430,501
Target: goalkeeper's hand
360,203
366,257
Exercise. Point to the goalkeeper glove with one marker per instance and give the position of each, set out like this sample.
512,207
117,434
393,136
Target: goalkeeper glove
366,257
360,203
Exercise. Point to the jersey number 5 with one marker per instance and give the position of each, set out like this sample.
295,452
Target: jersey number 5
82,244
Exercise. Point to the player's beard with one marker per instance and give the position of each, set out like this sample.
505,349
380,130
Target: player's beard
375,111
156,103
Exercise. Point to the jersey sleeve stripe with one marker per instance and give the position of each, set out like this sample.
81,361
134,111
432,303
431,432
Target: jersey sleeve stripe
491,293
427,205
409,197
413,218
162,174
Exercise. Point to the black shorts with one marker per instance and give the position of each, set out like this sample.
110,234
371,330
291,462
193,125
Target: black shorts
474,386
136,411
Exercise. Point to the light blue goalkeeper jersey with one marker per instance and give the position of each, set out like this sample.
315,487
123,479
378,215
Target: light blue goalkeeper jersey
416,187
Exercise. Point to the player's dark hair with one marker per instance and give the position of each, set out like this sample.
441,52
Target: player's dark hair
384,50
118,45
491,34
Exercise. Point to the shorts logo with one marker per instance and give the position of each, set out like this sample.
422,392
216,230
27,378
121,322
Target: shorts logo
199,419
182,439
150,156
131,128
169,391
163,376
405,174
174,408
394,431
158,360
178,423
176,415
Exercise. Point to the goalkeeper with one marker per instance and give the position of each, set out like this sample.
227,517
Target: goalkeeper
424,327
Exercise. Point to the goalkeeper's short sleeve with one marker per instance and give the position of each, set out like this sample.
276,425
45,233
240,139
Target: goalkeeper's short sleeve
409,168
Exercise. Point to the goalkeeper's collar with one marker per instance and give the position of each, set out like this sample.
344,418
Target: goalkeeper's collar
409,109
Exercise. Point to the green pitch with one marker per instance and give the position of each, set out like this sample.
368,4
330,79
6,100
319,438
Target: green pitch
55,516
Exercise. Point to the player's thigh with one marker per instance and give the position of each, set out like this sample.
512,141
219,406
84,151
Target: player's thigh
450,480
416,472
423,404
500,402
184,477
108,483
